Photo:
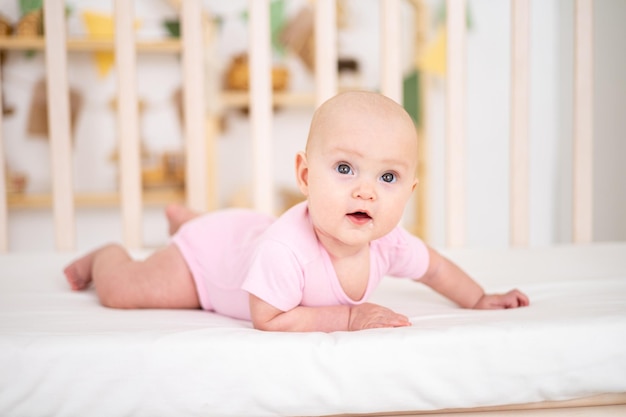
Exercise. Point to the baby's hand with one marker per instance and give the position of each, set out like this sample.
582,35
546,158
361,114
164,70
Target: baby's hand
370,316
511,299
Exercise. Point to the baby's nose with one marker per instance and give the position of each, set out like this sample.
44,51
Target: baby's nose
365,191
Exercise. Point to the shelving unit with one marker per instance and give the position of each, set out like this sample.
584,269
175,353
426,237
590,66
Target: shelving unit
198,132
228,99
200,124
92,199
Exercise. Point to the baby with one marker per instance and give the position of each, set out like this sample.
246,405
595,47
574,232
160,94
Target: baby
314,267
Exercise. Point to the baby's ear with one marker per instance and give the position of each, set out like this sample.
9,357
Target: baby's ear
302,173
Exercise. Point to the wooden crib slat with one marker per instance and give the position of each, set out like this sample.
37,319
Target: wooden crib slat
59,124
127,124
261,104
520,89
4,218
325,50
391,82
212,105
583,123
455,123
194,105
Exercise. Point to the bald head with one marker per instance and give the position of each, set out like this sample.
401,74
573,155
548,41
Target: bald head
355,110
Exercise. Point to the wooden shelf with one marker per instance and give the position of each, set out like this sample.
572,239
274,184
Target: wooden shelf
89,44
235,99
154,197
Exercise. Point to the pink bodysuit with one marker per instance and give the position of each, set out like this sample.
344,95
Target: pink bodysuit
235,252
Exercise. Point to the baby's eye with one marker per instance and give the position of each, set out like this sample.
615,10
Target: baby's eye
388,177
344,169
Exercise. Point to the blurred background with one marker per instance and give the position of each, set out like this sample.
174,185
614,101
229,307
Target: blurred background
92,81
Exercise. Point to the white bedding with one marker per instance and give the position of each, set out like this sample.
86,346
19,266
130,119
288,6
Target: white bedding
63,354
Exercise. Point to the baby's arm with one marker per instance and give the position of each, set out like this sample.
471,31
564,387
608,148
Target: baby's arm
323,319
449,280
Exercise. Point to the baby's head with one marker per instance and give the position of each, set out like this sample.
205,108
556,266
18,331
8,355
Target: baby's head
358,170
362,108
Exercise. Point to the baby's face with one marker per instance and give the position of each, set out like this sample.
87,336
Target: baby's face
361,172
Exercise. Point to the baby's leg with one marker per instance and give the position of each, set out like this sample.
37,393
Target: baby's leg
177,214
163,280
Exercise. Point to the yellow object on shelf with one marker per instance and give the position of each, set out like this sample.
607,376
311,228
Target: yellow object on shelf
102,27
166,170
238,75
433,59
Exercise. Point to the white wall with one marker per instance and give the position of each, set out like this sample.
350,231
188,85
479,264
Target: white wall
610,121
550,125
487,128
488,120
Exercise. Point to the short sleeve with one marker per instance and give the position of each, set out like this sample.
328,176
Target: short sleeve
403,254
275,276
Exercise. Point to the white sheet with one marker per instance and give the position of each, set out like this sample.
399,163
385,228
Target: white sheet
62,354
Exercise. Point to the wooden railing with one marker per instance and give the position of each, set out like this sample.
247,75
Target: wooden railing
198,150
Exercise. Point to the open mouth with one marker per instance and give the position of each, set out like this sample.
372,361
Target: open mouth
360,217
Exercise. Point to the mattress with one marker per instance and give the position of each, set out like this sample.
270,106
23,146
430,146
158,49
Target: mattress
62,354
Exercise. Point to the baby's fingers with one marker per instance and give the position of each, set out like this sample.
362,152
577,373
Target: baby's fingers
511,299
516,298
370,316
397,320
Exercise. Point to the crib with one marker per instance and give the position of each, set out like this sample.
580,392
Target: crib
61,353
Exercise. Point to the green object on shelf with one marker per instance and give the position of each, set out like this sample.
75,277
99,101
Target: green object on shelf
412,94
173,28
278,21
27,6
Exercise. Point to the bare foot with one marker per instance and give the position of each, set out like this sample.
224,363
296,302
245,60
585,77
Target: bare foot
177,214
78,273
